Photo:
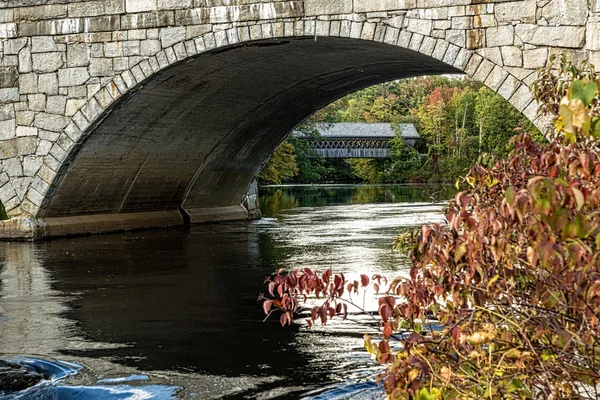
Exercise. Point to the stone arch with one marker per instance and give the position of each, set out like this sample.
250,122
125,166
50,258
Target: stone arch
40,200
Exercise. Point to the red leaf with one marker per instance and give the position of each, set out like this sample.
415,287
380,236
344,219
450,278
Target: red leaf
272,288
387,330
323,315
283,319
267,306
385,311
314,313
364,280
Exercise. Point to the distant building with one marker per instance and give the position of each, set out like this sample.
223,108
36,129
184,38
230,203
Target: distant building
360,139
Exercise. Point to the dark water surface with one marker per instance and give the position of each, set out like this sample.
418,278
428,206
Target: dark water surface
173,313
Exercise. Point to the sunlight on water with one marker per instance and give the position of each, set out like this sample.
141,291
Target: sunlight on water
173,313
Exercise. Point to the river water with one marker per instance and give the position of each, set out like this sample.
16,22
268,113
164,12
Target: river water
174,314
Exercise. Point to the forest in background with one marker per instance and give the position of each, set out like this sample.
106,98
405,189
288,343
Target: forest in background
458,120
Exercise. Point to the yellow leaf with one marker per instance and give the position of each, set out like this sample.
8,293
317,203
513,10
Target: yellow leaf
492,281
446,374
413,374
578,198
462,249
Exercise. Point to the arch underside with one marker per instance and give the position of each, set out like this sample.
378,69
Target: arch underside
194,136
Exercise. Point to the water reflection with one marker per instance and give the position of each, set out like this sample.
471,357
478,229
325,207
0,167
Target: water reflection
180,306
31,320
275,199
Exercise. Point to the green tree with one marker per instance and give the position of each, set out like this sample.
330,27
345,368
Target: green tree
281,166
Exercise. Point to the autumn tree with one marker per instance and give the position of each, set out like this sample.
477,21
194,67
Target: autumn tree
281,165
512,277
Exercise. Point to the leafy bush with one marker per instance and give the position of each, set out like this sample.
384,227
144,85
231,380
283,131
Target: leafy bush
513,276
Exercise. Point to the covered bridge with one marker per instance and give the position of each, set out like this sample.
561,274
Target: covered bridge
361,139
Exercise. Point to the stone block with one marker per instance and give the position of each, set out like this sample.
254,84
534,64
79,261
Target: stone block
22,146
9,95
9,77
496,78
45,44
170,36
327,7
7,15
106,23
73,105
48,135
31,165
7,129
51,122
48,83
28,83
13,46
561,12
27,131
65,142
521,11
74,92
78,55
7,111
43,148
8,31
535,58
174,4
101,67
52,27
25,118
50,11
551,36
13,167
148,20
58,152
96,8
73,76
25,63
135,6
500,36
457,37
378,5
47,62
512,56
56,104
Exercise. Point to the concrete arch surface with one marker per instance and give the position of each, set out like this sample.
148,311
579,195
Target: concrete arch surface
201,101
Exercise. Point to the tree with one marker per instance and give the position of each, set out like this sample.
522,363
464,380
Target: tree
513,276
281,165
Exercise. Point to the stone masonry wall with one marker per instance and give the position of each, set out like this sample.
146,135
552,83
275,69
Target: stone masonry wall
64,63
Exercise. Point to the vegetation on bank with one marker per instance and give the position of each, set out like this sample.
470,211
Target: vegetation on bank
513,276
458,119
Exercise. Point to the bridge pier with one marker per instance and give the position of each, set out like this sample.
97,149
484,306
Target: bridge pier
21,228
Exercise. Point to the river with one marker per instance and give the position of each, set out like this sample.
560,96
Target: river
173,313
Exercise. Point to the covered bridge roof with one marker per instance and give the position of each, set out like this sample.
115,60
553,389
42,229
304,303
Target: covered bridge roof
365,130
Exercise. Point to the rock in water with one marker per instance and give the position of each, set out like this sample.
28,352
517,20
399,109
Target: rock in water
15,377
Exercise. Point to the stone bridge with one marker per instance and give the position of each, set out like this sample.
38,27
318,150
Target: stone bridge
122,114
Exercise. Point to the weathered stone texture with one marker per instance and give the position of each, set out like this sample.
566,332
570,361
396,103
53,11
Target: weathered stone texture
64,64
